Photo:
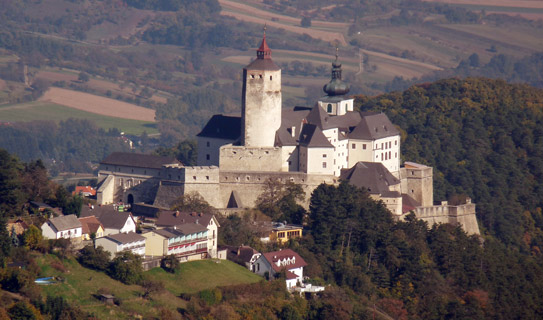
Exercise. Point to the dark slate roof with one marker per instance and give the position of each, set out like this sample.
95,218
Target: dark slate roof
179,230
110,218
371,175
262,64
241,255
169,218
319,117
124,238
190,228
374,126
222,127
312,137
138,160
274,256
65,222
289,119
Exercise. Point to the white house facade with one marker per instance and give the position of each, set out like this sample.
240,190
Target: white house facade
63,227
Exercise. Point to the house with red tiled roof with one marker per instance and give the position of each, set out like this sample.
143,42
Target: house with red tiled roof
275,262
90,225
86,191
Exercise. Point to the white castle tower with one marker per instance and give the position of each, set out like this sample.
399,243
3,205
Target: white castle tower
261,100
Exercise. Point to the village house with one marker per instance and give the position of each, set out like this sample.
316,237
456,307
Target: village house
112,220
115,243
242,255
187,242
275,262
91,225
177,219
85,191
63,227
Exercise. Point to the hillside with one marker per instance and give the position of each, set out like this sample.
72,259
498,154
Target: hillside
484,139
80,285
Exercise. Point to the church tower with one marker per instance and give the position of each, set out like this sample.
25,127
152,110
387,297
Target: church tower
336,102
261,100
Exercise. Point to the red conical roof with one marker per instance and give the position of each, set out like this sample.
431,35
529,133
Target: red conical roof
263,52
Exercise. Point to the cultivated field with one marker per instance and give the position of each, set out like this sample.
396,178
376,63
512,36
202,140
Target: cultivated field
99,105
47,111
251,14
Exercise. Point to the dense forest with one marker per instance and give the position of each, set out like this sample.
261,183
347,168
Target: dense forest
484,139
71,145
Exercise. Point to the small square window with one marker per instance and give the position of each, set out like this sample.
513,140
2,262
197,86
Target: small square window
324,155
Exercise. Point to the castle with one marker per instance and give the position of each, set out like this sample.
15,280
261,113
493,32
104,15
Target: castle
327,143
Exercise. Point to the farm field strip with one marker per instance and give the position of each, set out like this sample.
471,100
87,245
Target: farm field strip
99,105
495,3
46,111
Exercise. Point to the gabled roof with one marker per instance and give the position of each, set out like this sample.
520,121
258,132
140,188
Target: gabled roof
110,218
65,222
138,160
374,126
222,127
85,189
273,257
319,117
312,137
89,224
290,118
168,218
124,238
371,175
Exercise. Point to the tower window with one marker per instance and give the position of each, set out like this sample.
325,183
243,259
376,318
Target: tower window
329,108
207,144
252,76
271,77
207,156
260,76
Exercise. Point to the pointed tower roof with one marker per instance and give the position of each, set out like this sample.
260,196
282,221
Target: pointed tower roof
263,57
263,52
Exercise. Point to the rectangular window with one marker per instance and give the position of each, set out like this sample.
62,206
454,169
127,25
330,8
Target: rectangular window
324,164
390,154
207,156
324,155
364,146
354,146
207,144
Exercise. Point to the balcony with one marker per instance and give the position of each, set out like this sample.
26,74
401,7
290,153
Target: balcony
173,244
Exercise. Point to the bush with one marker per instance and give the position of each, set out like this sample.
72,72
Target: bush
126,267
94,258
169,263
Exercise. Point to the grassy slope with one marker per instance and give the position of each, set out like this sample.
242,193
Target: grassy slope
82,283
39,110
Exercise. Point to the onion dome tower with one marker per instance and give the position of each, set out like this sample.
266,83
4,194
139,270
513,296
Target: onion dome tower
336,102
261,99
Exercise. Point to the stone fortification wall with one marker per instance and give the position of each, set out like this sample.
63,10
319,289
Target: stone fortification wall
417,182
250,158
249,185
104,194
463,215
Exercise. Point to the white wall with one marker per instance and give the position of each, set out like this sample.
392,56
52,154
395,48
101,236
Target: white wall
210,148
